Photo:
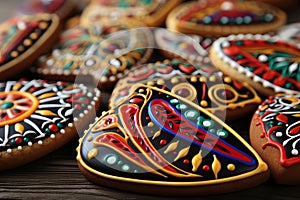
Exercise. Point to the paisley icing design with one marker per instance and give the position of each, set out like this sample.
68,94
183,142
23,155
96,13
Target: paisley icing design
290,32
225,17
264,59
150,12
97,51
279,118
156,137
21,37
217,94
31,111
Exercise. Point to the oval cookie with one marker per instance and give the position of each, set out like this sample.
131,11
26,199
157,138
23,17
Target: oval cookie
161,144
275,133
99,52
37,117
23,40
267,63
151,13
226,98
221,18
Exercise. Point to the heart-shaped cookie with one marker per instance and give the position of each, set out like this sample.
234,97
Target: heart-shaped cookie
221,18
156,142
23,40
37,117
267,63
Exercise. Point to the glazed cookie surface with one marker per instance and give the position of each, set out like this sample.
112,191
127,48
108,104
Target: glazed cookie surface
221,18
23,40
151,13
218,94
156,142
275,133
99,52
267,63
37,117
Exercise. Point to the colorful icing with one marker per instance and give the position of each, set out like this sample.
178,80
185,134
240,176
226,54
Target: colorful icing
156,137
265,59
290,32
31,111
279,118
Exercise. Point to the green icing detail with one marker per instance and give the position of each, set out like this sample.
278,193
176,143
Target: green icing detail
7,105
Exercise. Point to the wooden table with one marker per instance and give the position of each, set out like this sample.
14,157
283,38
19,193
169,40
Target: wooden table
56,176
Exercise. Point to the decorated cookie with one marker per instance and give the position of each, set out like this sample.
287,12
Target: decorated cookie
290,32
268,64
23,40
275,133
100,52
63,8
37,117
190,47
221,18
156,142
222,96
151,13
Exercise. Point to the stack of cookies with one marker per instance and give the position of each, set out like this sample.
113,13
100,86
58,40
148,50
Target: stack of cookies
172,76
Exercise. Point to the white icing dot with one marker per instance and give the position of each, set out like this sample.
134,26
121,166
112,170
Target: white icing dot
40,142
75,119
93,102
19,148
111,160
29,144
206,123
95,98
294,152
263,58
52,136
62,131
85,112
8,150
278,134
70,124
81,115
225,44
89,107
50,62
226,5
21,25
89,94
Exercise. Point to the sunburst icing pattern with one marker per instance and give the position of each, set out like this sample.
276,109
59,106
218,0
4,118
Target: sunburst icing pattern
31,111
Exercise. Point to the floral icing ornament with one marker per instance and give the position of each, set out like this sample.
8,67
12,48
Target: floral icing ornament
267,63
278,120
221,18
23,40
100,52
161,143
218,94
151,12
37,117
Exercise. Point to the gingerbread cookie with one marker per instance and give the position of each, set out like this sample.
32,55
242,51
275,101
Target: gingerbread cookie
37,117
63,8
226,98
274,133
158,143
189,47
151,13
23,40
99,52
290,32
221,18
267,63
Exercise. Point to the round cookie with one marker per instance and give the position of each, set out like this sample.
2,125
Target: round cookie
274,134
268,64
290,32
152,13
222,18
37,117
63,8
99,52
158,143
224,97
23,40
193,48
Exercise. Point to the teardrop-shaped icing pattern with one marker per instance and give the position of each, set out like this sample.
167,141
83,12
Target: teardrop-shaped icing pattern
218,17
212,92
279,118
23,40
28,115
290,32
266,60
97,52
188,151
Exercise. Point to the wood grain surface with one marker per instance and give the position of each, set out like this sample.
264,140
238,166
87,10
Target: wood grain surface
57,175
